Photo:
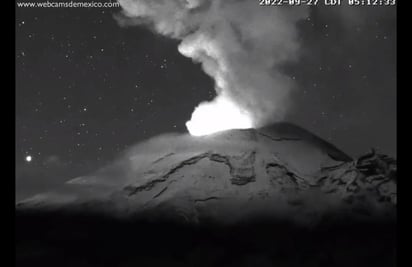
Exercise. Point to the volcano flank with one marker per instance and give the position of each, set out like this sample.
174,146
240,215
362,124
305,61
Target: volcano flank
275,196
281,171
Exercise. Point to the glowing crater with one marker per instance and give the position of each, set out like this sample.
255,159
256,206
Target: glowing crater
218,115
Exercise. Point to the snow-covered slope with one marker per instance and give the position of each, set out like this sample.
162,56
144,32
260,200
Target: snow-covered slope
280,171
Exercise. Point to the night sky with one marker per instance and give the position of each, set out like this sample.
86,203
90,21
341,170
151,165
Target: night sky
87,89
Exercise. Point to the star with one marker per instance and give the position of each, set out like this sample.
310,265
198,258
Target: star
28,158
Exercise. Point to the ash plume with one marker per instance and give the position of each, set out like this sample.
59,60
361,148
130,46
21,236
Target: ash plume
240,44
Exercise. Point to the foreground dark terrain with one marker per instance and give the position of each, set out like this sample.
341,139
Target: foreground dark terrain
78,240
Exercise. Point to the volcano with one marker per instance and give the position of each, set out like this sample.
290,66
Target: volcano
281,171
275,196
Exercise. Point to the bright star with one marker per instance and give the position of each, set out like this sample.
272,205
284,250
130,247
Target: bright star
28,158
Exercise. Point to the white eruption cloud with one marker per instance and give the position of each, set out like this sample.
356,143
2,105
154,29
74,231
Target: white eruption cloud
240,44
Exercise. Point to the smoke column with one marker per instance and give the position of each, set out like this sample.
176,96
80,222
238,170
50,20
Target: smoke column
240,44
